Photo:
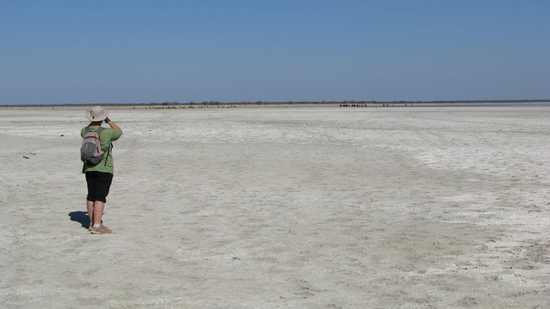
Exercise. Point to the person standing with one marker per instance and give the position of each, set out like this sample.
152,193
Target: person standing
100,176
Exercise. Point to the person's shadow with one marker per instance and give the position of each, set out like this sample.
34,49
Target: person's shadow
80,217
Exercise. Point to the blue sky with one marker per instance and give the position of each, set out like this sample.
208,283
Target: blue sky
141,51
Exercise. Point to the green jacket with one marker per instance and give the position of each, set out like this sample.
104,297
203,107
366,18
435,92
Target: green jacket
106,137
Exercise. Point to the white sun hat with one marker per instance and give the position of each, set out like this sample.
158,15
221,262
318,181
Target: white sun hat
96,113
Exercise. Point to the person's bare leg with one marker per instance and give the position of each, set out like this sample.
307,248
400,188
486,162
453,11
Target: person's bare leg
99,228
98,208
90,207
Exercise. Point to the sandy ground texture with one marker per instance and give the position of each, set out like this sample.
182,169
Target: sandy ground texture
302,207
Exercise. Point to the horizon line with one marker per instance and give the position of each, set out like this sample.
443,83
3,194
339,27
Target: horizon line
282,102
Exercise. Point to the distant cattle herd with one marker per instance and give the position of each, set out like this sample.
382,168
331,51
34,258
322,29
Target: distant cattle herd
365,105
232,106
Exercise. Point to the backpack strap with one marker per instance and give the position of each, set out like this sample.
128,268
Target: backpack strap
87,129
99,130
107,152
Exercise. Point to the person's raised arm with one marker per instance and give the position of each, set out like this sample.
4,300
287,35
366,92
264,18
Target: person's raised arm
112,124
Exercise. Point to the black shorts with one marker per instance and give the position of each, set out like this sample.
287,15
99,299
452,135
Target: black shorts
98,186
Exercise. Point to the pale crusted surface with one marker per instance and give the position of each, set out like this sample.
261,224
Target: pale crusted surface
300,207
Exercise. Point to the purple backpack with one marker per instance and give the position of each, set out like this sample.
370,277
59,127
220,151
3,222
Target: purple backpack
90,152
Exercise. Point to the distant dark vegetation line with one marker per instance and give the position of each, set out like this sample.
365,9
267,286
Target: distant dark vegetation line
281,103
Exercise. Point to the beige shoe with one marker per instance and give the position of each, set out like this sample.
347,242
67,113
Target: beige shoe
100,230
